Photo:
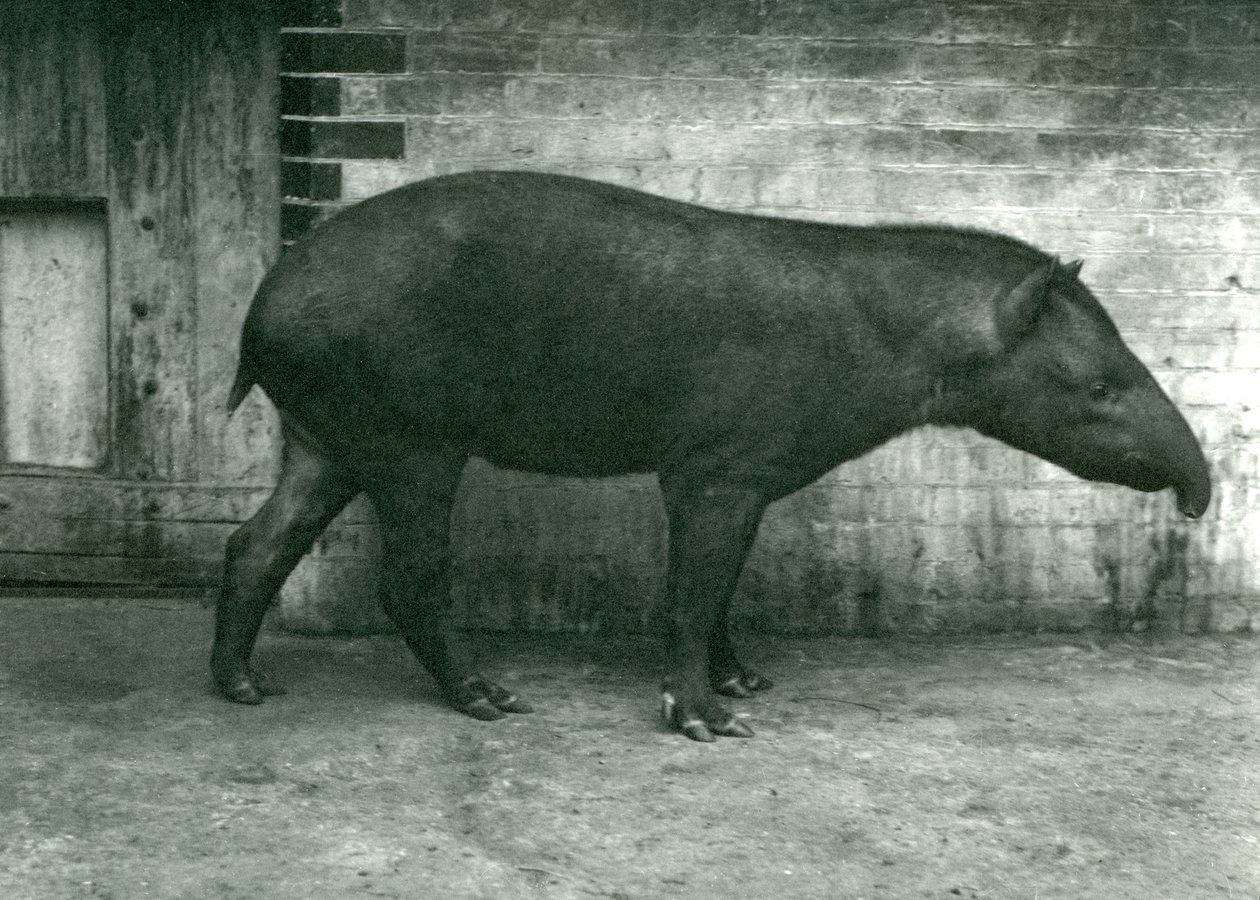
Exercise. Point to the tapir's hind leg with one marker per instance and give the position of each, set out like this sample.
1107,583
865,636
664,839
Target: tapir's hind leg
262,553
413,502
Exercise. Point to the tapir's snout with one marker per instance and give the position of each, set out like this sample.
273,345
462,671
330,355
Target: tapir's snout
1168,455
1193,507
1191,483
1194,491
1178,453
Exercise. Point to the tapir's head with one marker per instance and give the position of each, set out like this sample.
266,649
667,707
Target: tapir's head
1057,381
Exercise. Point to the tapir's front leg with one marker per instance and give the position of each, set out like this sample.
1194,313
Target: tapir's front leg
710,530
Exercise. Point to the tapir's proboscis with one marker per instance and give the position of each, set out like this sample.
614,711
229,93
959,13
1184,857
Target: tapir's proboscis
553,324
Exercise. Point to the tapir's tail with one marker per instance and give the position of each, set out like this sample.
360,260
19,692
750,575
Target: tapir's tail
240,387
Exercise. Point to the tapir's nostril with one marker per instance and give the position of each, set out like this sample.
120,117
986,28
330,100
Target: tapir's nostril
1193,498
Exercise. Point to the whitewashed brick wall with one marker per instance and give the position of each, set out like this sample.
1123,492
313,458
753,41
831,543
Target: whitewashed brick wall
1126,133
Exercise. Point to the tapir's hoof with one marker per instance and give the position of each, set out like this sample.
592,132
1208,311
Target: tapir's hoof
482,699
742,684
482,709
513,704
702,720
249,687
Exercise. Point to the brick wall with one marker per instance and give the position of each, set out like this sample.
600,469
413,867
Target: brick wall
1121,132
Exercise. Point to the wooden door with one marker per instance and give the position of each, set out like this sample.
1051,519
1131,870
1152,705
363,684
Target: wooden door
139,207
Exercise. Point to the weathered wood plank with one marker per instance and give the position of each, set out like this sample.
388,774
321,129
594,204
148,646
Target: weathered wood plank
68,569
151,539
237,225
165,108
25,498
54,389
155,538
52,142
150,83
106,531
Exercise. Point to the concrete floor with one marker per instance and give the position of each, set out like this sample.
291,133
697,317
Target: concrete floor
997,768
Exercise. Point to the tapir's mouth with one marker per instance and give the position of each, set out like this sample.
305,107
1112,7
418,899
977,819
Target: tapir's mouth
1141,473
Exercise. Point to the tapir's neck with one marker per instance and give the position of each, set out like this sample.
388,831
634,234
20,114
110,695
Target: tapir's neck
944,404
885,406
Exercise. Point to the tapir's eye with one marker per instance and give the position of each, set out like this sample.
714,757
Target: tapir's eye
1099,391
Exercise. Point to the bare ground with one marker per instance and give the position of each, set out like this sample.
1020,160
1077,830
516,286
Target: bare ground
1012,767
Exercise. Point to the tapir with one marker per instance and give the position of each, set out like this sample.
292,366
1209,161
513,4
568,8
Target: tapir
557,325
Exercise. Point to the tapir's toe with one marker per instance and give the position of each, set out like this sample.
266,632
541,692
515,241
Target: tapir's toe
249,687
742,683
512,703
482,709
755,682
500,697
733,727
700,719
243,691
481,698
265,684
697,731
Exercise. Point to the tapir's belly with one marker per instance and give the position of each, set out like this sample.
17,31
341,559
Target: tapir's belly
570,413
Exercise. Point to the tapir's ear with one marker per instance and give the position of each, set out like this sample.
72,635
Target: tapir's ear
1074,267
1018,310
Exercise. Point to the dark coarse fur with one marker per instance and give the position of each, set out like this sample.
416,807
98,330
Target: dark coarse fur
560,325
557,325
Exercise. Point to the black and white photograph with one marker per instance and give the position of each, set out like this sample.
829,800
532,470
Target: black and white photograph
630,449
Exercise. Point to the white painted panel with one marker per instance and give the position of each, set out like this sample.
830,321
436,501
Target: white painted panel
54,396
